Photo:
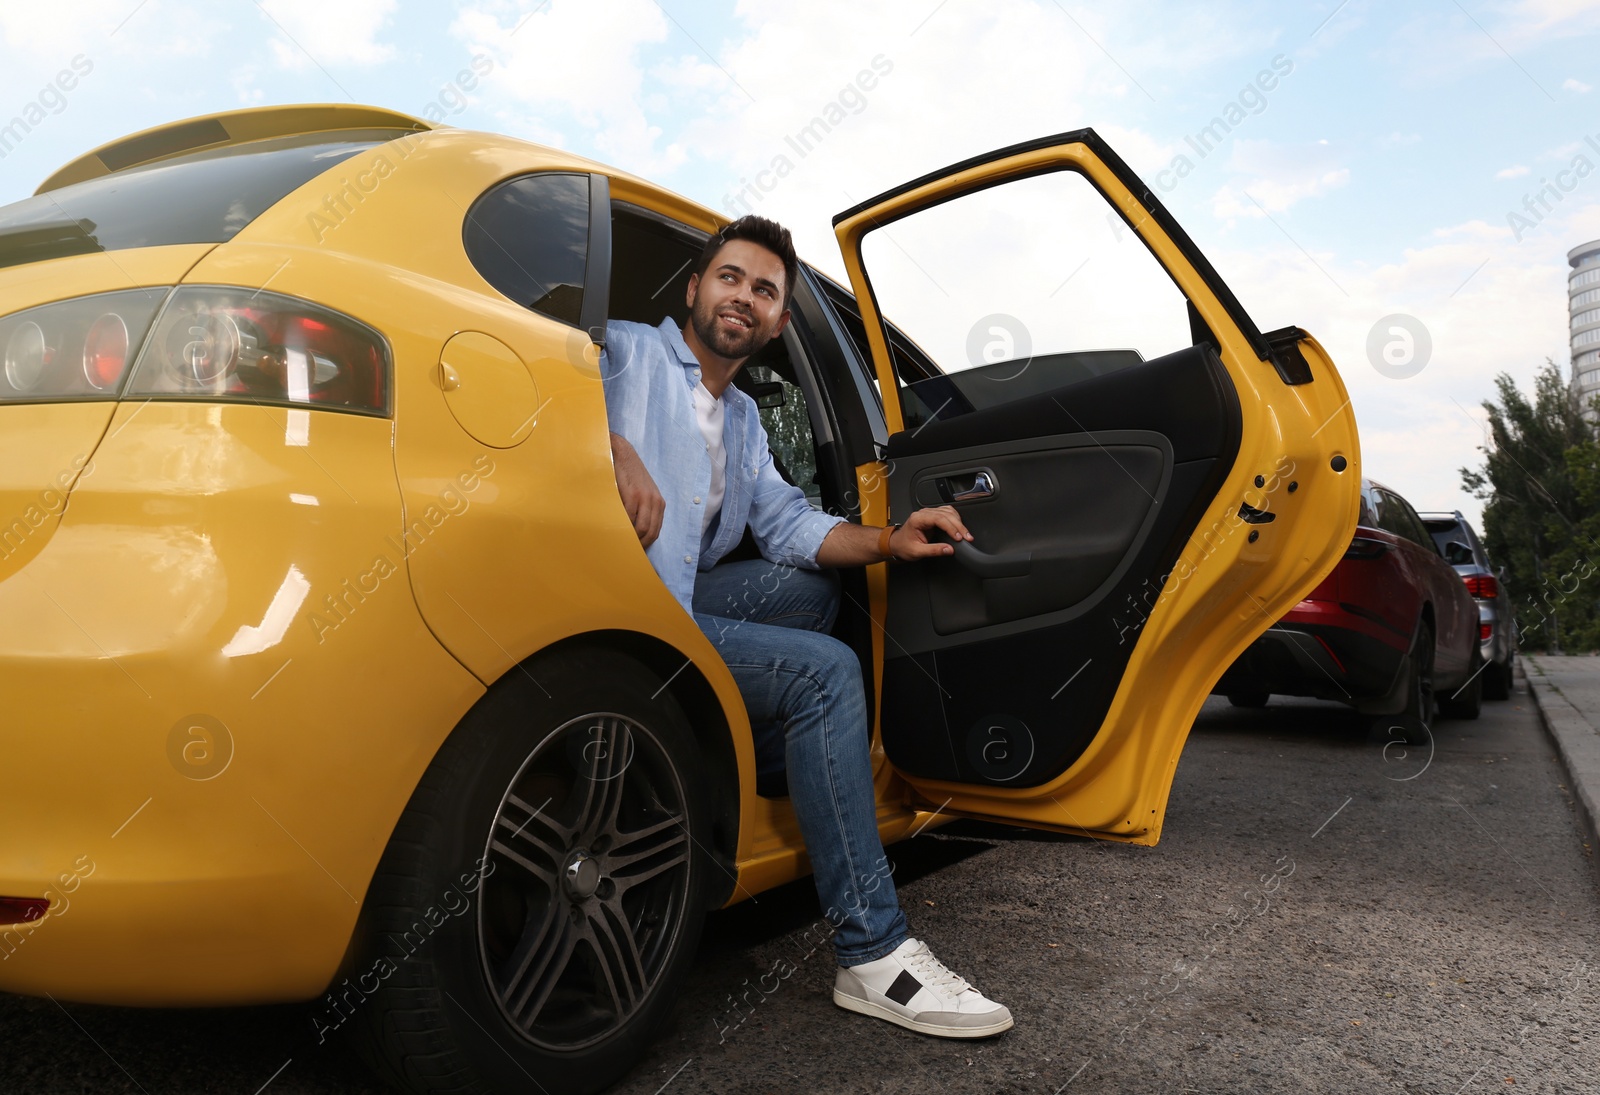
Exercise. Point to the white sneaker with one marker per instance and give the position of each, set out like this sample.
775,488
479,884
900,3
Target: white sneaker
911,987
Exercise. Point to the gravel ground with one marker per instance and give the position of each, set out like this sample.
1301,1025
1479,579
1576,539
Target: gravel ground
1318,917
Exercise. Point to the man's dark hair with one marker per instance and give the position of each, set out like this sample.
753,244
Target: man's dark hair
758,230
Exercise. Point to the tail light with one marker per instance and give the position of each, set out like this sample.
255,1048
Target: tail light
1363,547
105,352
1484,631
1483,586
74,349
23,910
239,345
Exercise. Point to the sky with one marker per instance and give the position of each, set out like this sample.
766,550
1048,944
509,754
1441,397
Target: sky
1433,161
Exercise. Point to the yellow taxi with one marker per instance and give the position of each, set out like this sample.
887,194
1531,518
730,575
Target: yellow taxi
335,672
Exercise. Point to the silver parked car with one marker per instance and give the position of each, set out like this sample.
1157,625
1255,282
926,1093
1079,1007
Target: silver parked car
1497,626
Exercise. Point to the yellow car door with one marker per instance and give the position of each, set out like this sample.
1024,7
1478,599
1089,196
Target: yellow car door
1149,479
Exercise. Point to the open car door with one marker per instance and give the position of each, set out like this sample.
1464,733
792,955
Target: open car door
1150,482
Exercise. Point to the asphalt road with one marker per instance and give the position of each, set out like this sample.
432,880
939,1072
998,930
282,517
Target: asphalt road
1319,917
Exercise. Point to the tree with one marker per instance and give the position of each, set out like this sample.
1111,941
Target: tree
1541,485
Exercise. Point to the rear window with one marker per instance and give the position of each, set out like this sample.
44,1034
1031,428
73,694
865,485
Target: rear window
204,197
1444,531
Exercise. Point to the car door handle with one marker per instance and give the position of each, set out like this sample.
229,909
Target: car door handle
1013,564
968,486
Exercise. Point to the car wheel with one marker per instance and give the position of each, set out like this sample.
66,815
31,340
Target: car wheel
1414,724
1249,699
1466,702
1497,680
539,905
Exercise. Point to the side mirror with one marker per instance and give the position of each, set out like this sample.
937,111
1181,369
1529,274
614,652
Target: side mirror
768,394
1457,554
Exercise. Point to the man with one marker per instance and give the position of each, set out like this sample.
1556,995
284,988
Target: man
693,470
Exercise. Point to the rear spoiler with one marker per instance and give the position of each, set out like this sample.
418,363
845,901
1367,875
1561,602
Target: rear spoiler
216,130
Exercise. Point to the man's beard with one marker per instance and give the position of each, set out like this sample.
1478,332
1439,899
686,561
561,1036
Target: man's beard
723,342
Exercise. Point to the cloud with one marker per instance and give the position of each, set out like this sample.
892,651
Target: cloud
326,34
1477,229
1540,16
1276,176
1515,172
570,67
909,115
1272,195
41,29
43,35
1575,85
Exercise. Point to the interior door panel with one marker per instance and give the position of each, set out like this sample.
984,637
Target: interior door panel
1062,516
1095,487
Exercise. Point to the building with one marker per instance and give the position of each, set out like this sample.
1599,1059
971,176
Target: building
1583,305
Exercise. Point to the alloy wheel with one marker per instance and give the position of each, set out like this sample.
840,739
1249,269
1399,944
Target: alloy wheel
591,881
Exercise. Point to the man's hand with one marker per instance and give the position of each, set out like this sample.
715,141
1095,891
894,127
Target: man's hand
640,496
849,545
910,540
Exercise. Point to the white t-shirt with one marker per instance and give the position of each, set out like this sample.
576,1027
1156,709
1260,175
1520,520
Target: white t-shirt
708,410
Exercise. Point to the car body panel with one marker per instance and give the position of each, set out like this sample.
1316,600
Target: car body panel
1225,594
247,886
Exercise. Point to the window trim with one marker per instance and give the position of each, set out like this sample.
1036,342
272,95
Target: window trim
814,304
597,263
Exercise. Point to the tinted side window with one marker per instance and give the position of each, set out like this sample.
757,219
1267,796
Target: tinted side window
1387,513
1396,516
529,238
204,197
787,420
909,360
651,263
1369,509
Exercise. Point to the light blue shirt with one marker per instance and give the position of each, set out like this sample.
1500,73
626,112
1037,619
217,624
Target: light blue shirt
650,375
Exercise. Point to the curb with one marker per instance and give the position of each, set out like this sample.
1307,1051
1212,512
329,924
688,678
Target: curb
1576,740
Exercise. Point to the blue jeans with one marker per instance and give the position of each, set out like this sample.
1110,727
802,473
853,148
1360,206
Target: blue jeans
803,691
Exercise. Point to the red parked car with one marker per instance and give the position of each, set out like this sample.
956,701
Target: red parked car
1392,631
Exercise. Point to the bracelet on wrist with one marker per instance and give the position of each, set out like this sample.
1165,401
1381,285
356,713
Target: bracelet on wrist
883,541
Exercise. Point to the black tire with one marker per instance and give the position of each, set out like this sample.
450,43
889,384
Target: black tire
1413,725
1249,699
567,816
1497,680
1466,701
